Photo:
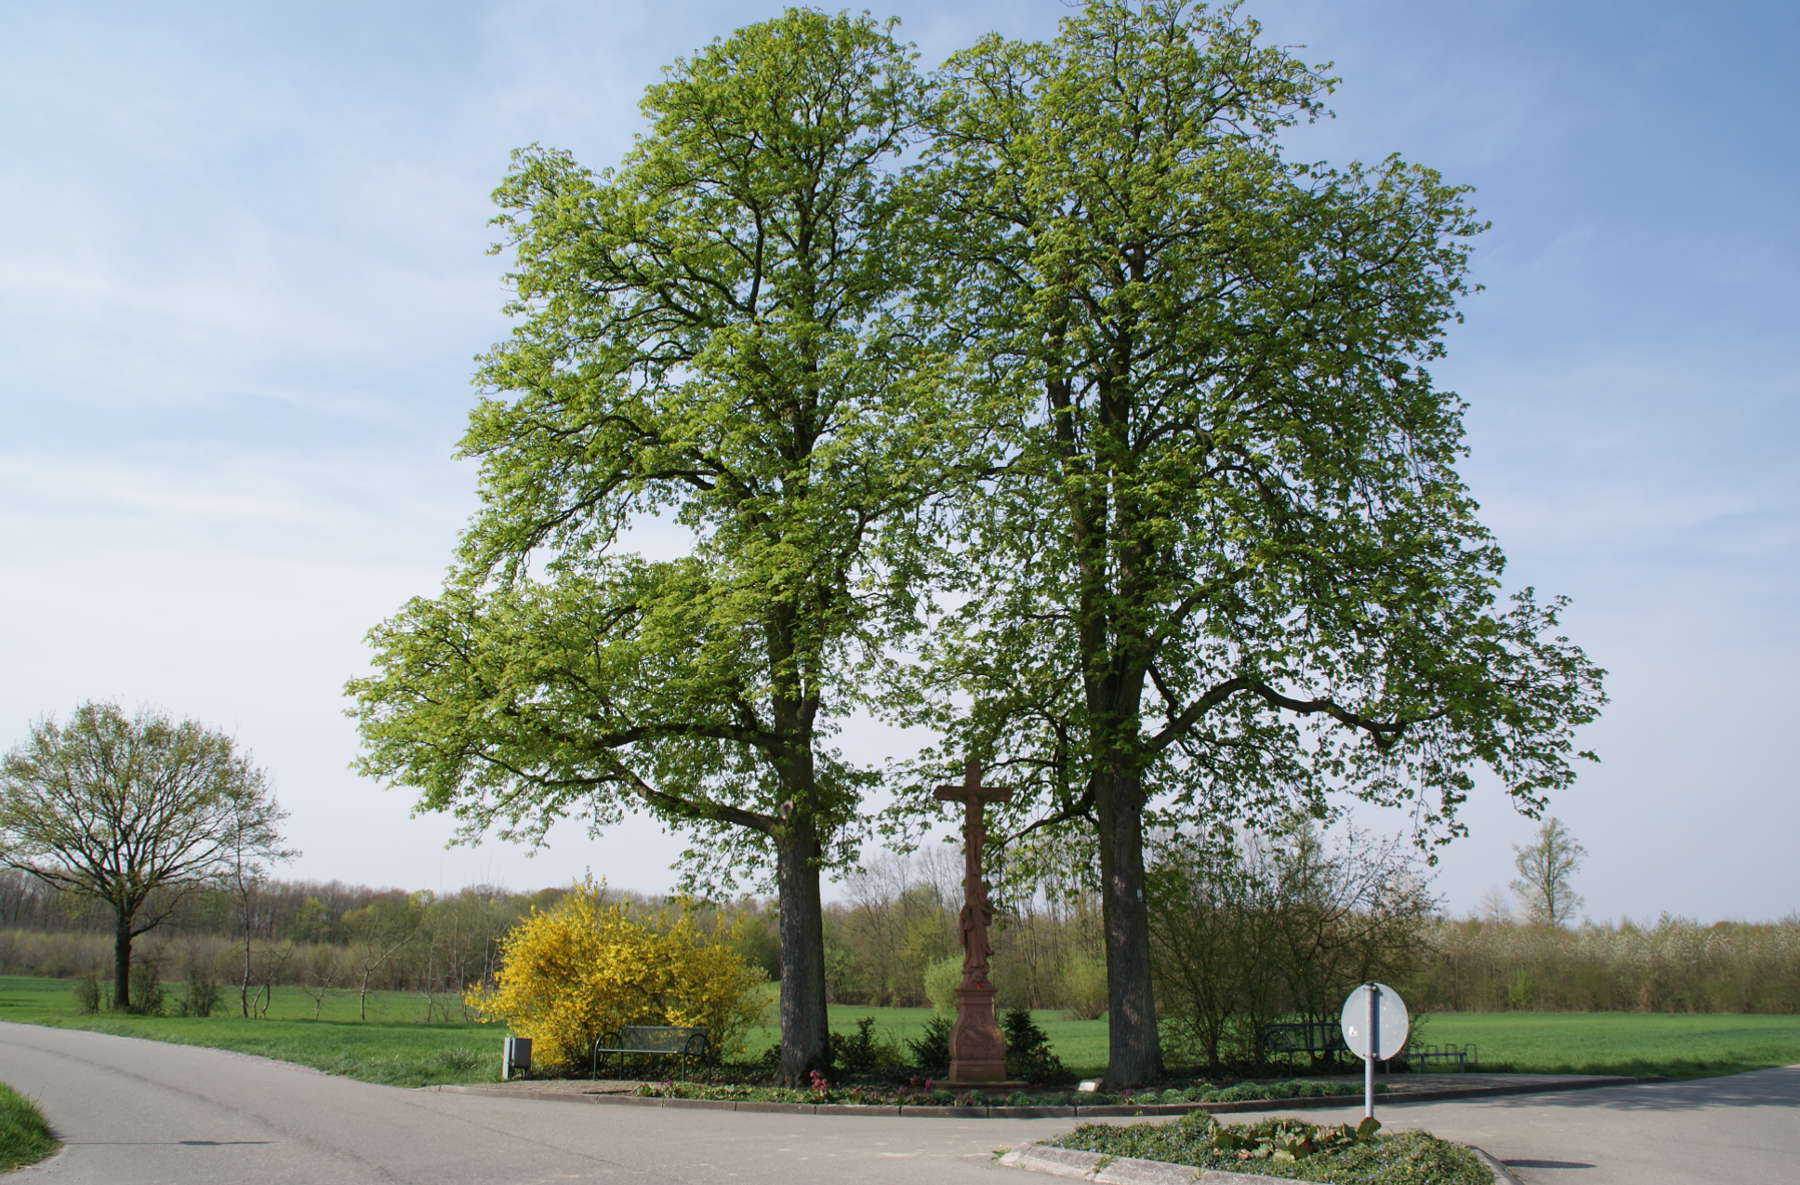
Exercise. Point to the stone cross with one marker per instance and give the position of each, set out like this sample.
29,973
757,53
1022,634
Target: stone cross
976,912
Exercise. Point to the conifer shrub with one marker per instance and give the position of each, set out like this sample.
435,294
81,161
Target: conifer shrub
576,971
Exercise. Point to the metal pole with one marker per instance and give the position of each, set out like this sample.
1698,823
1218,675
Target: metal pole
1374,1049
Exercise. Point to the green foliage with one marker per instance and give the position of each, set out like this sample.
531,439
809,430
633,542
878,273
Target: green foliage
931,1048
147,994
581,969
24,1136
1028,1054
1274,927
862,1053
128,811
941,980
1229,568
718,332
1289,1148
90,996
1083,982
200,993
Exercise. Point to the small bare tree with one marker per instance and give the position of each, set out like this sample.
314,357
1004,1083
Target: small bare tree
1545,887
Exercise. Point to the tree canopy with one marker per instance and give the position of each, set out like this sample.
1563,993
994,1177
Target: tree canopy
1142,403
713,338
133,812
1229,566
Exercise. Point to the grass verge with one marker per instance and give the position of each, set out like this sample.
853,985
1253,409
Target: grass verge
24,1136
1288,1148
395,1045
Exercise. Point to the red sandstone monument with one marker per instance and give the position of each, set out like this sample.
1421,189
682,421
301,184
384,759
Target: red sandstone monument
977,1050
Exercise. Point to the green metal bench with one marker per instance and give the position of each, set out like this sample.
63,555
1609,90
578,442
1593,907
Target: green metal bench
1314,1037
1432,1055
679,1041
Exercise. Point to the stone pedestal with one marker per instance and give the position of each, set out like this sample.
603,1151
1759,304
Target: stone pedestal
977,1049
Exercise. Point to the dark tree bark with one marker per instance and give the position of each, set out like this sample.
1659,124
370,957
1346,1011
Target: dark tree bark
803,1016
122,936
1134,1054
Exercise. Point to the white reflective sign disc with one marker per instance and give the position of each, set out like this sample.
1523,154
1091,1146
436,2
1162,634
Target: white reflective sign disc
1390,1018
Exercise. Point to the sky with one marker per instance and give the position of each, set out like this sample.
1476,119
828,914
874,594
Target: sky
243,278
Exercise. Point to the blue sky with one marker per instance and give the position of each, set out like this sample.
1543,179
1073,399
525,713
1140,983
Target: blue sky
243,278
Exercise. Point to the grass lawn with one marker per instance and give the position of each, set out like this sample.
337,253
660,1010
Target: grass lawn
1673,1045
24,1136
394,1046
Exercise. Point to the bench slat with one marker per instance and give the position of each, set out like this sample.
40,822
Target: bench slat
681,1041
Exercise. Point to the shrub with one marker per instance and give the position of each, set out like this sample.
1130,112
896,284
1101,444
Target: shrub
1084,987
862,1052
199,989
1028,1055
941,980
931,1049
572,973
147,995
90,997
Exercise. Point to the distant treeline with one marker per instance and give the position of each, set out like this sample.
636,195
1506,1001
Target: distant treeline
1675,965
896,928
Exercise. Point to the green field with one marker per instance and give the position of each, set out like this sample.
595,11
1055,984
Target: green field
394,1046
1633,1043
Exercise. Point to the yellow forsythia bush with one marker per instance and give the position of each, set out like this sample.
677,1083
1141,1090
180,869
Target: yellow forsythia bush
573,972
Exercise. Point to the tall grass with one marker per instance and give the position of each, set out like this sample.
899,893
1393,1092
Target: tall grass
24,1136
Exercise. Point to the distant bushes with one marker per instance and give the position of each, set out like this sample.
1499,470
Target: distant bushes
1676,965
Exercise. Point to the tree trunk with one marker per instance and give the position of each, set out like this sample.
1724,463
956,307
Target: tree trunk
803,1019
1135,1052
122,963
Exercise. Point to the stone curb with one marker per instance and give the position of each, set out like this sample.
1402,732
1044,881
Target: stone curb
1110,1111
1123,1170
1128,1170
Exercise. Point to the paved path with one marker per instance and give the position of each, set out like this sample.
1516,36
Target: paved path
134,1111
1739,1130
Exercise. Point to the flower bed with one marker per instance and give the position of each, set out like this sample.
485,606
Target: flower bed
924,1092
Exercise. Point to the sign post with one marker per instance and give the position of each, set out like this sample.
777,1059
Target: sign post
1375,1025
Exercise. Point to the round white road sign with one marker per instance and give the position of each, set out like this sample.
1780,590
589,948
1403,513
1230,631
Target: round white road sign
1386,1035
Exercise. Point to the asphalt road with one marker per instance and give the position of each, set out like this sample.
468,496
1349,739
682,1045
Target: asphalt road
1740,1130
134,1111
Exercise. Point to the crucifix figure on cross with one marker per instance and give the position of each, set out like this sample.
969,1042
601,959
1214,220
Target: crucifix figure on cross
976,912
977,1047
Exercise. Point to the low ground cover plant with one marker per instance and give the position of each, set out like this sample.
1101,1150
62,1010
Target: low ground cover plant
1288,1148
24,1136
928,1092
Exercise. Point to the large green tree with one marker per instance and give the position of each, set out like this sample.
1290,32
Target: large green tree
134,812
715,339
1229,566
